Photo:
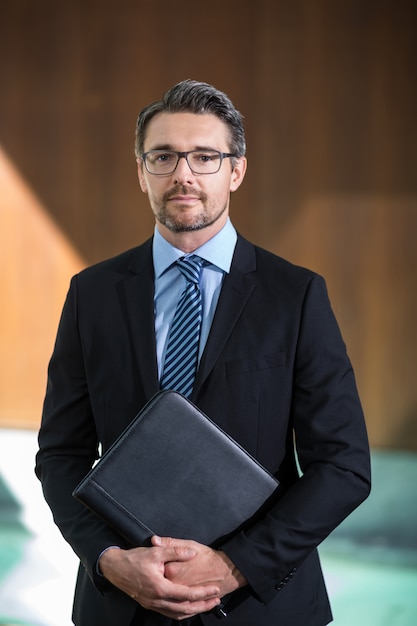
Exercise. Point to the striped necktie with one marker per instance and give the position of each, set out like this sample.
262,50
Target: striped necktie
181,357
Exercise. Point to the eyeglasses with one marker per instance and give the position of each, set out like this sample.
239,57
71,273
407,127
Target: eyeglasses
164,162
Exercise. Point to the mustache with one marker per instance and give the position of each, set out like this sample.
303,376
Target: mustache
181,190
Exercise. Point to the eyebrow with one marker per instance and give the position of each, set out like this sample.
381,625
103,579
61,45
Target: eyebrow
167,146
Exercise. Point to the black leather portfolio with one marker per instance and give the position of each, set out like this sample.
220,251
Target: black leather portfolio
174,473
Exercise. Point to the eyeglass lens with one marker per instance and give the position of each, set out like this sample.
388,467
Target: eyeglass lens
199,161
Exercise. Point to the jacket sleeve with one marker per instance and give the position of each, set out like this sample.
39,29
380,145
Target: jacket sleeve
68,442
330,443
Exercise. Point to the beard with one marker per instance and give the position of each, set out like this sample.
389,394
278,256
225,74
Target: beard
178,222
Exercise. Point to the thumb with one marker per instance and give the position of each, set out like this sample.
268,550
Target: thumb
180,548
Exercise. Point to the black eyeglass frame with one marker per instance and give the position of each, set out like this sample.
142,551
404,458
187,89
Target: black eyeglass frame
181,155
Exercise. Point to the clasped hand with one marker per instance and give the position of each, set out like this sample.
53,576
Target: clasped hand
175,577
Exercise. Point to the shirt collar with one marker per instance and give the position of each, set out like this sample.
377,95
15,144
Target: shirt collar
218,250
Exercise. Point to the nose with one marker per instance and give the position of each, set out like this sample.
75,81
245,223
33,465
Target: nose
182,172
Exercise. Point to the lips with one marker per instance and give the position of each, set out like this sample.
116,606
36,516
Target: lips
183,198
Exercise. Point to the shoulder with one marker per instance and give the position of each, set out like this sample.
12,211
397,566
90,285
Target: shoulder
271,268
279,283
132,261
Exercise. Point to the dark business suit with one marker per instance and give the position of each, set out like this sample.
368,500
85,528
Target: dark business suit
274,364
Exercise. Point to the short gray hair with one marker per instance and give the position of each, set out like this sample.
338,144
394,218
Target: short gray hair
191,96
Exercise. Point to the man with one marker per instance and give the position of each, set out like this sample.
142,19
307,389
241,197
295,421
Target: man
272,372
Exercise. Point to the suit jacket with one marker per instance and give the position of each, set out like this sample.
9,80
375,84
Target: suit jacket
274,373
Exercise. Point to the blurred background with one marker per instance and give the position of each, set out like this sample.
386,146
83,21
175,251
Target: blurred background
328,90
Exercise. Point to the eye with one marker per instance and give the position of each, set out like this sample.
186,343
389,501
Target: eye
162,157
205,157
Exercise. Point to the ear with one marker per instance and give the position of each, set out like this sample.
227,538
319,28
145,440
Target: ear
238,173
142,181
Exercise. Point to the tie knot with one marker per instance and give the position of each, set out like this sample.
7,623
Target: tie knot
190,267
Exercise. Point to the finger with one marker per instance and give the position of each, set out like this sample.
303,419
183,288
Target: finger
185,602
175,549
179,611
157,541
175,592
168,542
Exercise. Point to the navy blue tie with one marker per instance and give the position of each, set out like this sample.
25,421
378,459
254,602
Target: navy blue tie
181,357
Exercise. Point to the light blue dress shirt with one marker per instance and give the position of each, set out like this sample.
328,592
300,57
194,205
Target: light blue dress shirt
170,283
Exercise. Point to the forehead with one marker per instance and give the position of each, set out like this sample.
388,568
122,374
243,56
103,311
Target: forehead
186,131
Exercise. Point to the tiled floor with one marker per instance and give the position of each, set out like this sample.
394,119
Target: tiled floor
370,562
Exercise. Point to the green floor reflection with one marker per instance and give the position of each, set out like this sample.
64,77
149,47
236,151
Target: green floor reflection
13,537
13,534
371,594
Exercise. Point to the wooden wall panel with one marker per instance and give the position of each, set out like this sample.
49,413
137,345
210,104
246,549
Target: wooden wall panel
369,257
329,94
36,262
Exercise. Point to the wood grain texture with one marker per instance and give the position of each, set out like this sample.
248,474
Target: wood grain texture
329,96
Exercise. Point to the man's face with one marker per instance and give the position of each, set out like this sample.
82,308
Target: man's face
184,201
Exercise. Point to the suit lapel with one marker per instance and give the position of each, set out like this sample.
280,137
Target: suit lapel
237,288
137,295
